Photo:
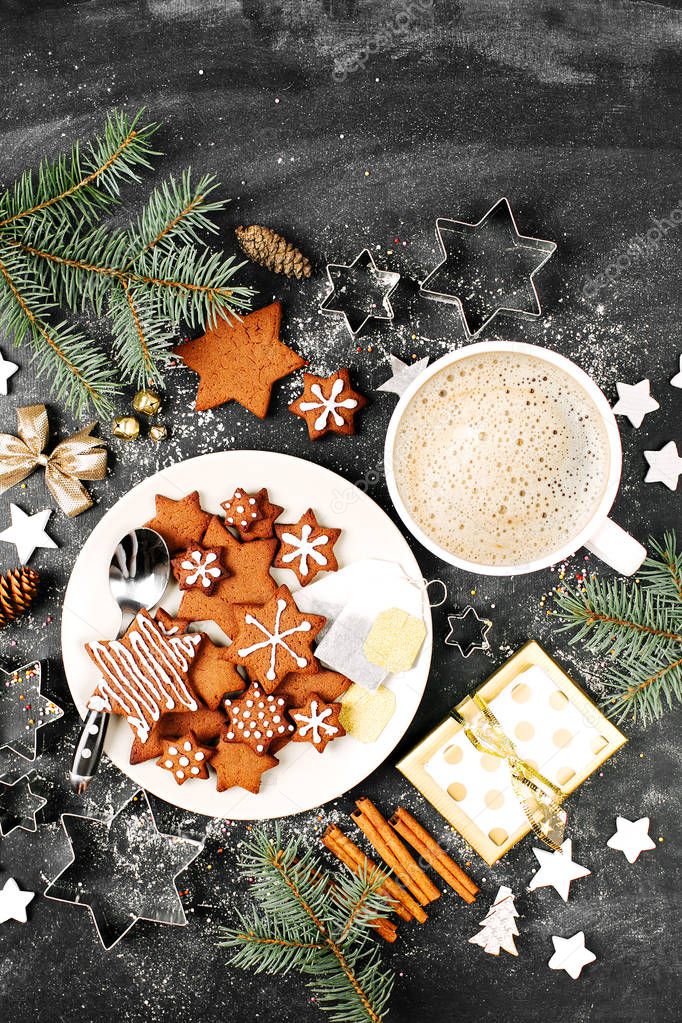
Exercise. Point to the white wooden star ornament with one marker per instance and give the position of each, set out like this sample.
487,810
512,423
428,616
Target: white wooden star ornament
570,954
7,370
402,374
634,401
631,837
27,532
13,902
665,465
557,869
676,381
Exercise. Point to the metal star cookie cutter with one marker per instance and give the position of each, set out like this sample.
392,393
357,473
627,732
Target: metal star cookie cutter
123,869
359,273
19,805
24,709
485,625
463,293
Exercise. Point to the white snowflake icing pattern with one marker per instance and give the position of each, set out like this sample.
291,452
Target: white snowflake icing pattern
275,639
201,568
328,405
304,548
314,722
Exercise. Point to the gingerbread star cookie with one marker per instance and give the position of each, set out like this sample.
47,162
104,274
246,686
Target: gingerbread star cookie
328,404
275,639
199,568
185,758
212,674
329,685
242,510
306,547
317,722
241,361
180,523
206,725
257,718
249,579
235,763
262,529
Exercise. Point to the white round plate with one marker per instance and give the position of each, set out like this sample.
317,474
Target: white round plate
305,778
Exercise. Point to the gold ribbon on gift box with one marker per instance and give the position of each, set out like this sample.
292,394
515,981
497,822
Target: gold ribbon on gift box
539,797
79,457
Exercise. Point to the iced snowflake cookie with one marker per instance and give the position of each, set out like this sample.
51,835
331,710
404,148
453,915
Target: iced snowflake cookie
275,639
317,722
199,568
262,529
306,547
185,758
328,404
243,510
257,718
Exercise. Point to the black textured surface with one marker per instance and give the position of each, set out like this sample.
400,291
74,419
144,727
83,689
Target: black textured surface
341,135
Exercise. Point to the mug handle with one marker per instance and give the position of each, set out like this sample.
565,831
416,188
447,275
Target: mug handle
617,548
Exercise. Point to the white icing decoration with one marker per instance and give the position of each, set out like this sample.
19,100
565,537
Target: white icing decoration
328,405
304,548
275,639
236,712
315,722
202,569
149,676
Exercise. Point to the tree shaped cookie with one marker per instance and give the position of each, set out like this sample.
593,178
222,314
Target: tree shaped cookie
180,523
185,758
240,361
275,639
328,404
306,547
199,568
317,722
257,719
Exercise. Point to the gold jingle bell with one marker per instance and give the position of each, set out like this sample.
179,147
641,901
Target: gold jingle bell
147,402
158,432
126,428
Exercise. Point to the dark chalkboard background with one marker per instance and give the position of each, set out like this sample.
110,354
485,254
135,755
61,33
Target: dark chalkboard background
346,124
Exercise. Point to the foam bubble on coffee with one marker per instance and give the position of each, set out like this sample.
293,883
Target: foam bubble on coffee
501,458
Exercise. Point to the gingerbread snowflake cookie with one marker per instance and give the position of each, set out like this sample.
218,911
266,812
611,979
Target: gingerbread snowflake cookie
328,404
306,547
199,568
185,758
256,718
243,510
317,722
275,639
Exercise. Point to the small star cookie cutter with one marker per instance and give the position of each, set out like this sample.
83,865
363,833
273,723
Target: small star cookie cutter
24,710
522,244
19,805
484,626
356,317
123,869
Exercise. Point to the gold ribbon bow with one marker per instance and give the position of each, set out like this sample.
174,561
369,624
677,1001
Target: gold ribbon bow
80,457
539,797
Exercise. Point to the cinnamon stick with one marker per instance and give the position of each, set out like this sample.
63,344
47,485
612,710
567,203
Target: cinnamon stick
353,857
422,842
410,873
386,929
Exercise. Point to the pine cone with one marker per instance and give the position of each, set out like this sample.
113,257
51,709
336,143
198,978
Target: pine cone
269,249
17,591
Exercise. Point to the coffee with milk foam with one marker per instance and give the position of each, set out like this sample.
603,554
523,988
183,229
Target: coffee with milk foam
501,458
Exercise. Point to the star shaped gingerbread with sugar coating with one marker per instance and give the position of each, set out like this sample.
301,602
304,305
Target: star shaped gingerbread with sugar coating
306,547
180,523
275,639
240,361
328,404
185,758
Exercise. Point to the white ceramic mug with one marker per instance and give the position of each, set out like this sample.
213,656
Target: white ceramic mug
601,535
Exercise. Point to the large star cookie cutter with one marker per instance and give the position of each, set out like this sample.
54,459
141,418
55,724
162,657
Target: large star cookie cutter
482,626
360,290
123,869
24,709
477,287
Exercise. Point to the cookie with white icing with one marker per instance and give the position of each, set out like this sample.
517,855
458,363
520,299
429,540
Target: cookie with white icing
242,510
199,568
317,722
306,547
328,404
185,758
257,719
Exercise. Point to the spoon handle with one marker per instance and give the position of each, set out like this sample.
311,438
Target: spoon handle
89,750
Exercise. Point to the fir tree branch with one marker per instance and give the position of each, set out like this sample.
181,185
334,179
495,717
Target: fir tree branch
664,572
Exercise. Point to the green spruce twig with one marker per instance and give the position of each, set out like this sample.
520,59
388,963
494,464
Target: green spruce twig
639,625
309,922
55,254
